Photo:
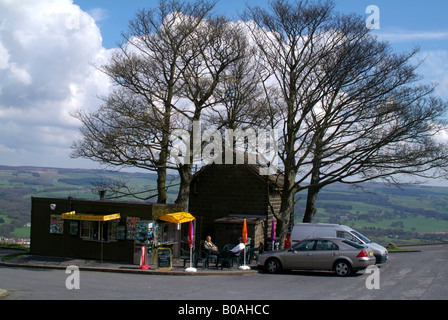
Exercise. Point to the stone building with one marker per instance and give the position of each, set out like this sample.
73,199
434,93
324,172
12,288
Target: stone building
222,195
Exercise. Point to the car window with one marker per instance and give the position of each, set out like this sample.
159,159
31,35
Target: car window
325,245
362,237
353,244
346,235
304,246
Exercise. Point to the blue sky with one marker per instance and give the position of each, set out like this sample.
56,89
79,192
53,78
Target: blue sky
414,18
47,48
405,24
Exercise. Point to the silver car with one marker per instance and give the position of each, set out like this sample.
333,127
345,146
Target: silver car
340,255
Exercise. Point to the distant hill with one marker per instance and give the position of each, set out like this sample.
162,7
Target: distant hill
19,184
411,213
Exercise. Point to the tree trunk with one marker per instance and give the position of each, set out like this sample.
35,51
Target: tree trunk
186,175
287,207
314,188
161,184
310,204
164,153
284,219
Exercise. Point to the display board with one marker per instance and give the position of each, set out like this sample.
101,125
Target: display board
164,258
56,224
131,225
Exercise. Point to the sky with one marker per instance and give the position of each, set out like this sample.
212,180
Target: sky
48,49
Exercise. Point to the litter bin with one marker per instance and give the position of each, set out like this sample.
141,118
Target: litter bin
269,244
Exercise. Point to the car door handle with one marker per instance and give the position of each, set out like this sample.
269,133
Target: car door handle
335,254
308,254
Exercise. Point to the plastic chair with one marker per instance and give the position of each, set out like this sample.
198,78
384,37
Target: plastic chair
228,247
255,252
226,260
185,255
203,257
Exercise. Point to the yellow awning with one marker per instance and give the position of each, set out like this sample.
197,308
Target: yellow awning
177,217
72,215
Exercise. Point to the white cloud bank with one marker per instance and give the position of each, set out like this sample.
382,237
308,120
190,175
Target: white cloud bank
435,69
46,51
47,48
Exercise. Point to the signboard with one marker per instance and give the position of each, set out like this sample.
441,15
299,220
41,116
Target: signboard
72,215
164,258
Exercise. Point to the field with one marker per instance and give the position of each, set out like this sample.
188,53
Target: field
407,214
19,184
384,213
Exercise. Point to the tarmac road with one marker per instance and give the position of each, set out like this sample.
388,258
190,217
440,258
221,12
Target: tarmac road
411,275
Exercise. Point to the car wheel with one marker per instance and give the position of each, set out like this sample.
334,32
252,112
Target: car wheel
273,266
342,268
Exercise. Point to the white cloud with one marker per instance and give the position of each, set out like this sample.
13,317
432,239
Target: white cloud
47,48
4,57
434,69
412,36
20,74
99,14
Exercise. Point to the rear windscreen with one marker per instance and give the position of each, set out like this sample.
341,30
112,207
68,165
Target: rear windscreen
353,244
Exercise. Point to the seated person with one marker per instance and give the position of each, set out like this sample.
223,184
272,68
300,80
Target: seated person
210,247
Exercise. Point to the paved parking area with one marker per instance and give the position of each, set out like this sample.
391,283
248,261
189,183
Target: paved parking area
410,275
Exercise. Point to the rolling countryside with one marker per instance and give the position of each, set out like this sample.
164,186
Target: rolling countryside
384,213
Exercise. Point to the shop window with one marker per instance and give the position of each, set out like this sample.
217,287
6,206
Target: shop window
121,232
164,233
112,231
89,230
74,228
97,231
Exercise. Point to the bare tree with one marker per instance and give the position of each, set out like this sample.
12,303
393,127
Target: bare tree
350,109
168,71
218,45
134,125
240,95
287,37
218,48
374,120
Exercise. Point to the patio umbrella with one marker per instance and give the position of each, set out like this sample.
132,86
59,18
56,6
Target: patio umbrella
244,236
177,217
190,242
244,232
191,234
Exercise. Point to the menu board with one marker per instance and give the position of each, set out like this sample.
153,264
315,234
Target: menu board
164,258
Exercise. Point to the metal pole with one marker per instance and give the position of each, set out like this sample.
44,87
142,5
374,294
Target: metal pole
101,235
